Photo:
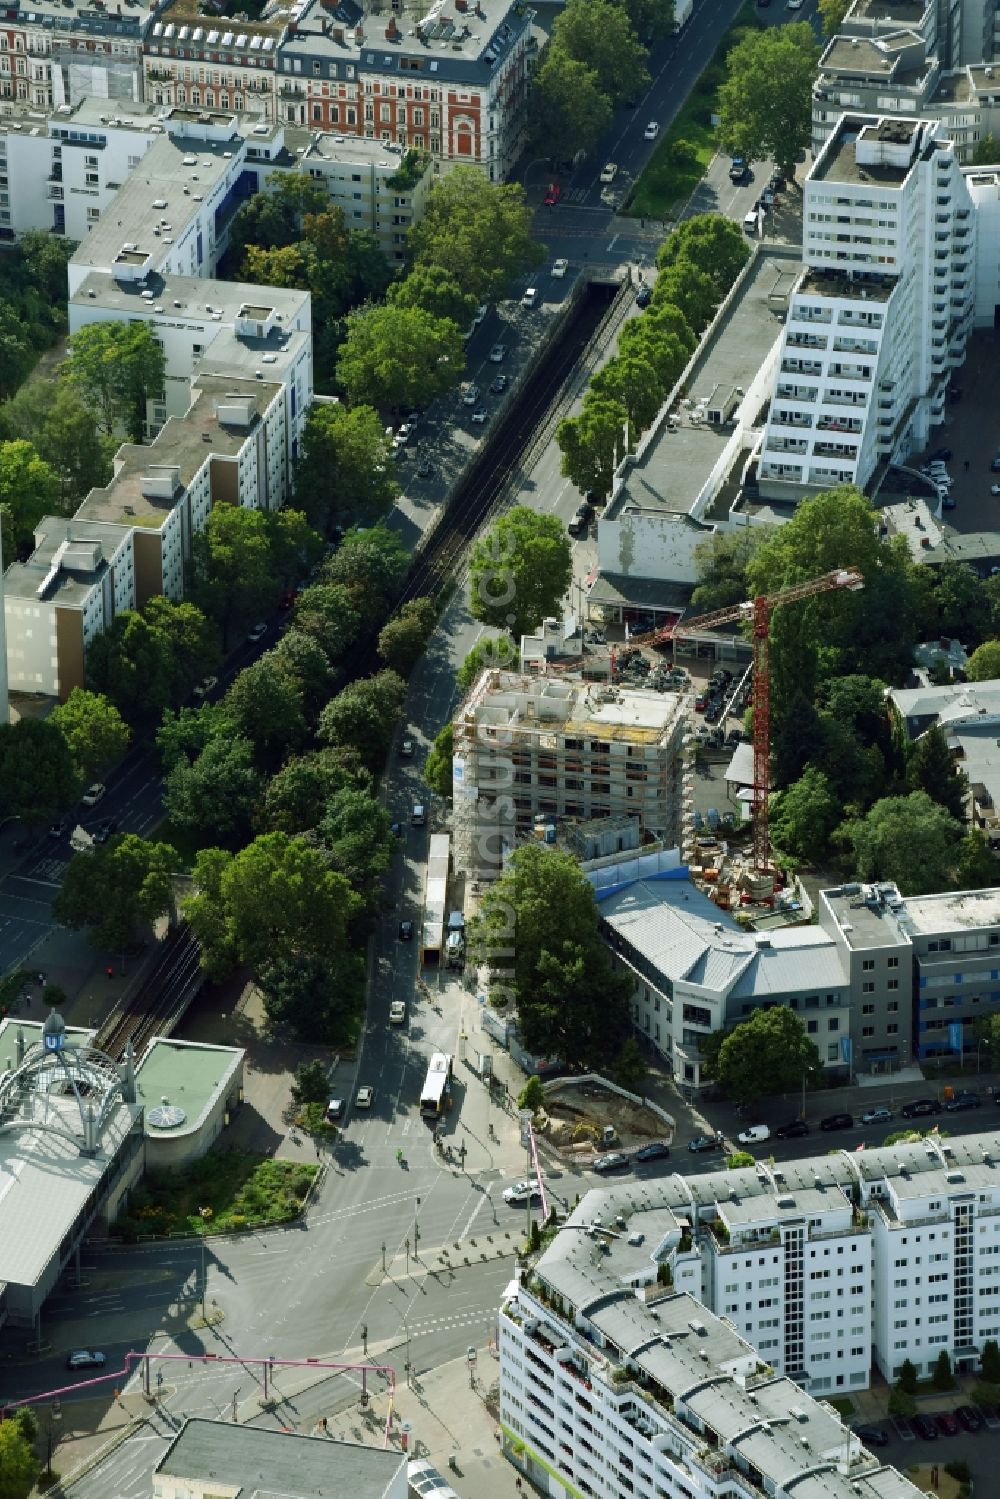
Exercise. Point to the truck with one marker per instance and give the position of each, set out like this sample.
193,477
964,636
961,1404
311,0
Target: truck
682,14
418,816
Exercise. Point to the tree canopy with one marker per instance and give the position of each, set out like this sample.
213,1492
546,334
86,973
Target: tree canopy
399,356
478,231
233,578
803,818
910,839
214,796
765,102
491,651
371,566
712,243
438,766
38,775
599,34
568,112
593,443
403,640
769,1053
519,571
29,490
537,932
62,428
94,730
364,716
117,368
116,887
984,663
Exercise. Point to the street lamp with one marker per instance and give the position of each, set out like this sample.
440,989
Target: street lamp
416,1231
204,1214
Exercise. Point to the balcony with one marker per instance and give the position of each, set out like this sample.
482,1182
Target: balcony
291,90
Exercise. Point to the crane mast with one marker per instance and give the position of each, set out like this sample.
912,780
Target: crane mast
757,612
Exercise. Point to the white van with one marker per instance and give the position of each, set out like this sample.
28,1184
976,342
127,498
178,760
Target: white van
750,222
754,1134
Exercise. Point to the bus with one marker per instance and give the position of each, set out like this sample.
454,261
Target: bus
434,1093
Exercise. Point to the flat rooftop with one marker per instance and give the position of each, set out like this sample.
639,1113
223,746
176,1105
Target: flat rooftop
829,282
90,113
905,12
508,700
961,911
953,88
864,55
163,192
674,465
183,442
865,924
837,162
83,15
202,303
185,1073
244,1461
78,571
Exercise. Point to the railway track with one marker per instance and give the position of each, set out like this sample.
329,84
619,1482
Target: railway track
161,1000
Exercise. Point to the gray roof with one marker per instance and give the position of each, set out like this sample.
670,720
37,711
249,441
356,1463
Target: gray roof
249,1461
798,959
956,703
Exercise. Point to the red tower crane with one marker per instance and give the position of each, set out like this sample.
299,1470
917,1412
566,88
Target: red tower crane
759,611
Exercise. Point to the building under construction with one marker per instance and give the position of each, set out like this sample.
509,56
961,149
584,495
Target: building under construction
529,748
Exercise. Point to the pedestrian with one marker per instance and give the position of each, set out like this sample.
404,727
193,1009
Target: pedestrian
966,465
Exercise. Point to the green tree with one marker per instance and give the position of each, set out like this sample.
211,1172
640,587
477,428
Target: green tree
94,730
355,831
345,474
519,571
38,776
989,1361
690,290
130,664
29,490
976,864
721,563
931,767
592,444
306,662
532,1095
181,736
435,291
803,818
740,1160
910,839
599,34
117,368
275,896
907,1379
832,13
634,383
478,231
16,354
765,103
264,705
214,797
986,152
310,1084
327,614
371,565
398,356
493,651
276,216
630,1070
233,582
18,1465
438,767
296,549
315,998
188,640
63,431
963,605
567,112
651,19
769,1053
942,1378
117,887
296,798
984,663
655,340
403,640
364,716
571,1002
713,243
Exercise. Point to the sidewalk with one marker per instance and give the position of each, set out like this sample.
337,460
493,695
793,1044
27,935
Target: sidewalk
443,1413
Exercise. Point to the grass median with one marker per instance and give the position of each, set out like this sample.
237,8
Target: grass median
682,158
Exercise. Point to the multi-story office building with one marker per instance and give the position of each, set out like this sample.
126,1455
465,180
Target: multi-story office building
63,51
528,748
696,971
612,1387
881,315
452,80
132,539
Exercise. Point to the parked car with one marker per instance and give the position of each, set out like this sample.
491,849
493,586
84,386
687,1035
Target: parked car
470,395
963,1101
701,1143
205,687
613,1161
919,1107
479,415
335,1109
104,830
924,1427
93,795
872,1436
498,385
655,1151
578,525
85,1358
552,194
481,312
406,931
878,1115
530,297
365,1097
406,749
754,1134
643,296
257,633
969,1417
751,220
397,1012
947,1424
837,1121
57,829
559,268
793,1130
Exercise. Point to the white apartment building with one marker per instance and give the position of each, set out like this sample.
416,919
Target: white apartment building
881,315
613,1387
528,748
132,539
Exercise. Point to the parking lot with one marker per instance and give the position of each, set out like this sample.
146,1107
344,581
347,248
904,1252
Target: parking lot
971,429
981,1449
